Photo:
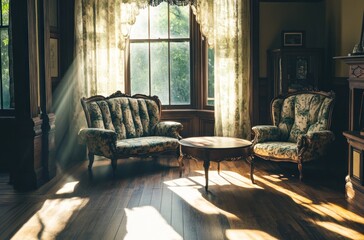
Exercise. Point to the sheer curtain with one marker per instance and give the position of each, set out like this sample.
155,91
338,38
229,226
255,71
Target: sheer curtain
229,34
102,31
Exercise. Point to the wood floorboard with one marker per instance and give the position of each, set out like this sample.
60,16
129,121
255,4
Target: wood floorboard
148,200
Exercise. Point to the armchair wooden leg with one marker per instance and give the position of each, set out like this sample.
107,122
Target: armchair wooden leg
300,169
251,161
91,158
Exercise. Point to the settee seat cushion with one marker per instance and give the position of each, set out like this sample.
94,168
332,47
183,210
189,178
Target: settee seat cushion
146,145
279,150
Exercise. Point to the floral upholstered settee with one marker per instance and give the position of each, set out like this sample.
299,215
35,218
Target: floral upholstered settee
300,130
121,126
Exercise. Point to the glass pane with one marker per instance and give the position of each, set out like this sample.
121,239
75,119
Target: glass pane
5,12
159,21
5,68
210,81
139,30
180,21
139,68
159,71
180,73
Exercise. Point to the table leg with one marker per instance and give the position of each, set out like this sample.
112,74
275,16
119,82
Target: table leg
206,165
218,168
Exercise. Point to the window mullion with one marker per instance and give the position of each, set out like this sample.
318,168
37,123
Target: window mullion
1,60
149,55
169,59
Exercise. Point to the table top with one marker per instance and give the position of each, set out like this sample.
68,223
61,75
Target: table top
215,142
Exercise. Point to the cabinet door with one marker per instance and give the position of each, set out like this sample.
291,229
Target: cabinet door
301,71
295,69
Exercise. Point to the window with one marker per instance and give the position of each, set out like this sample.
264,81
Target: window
6,88
160,61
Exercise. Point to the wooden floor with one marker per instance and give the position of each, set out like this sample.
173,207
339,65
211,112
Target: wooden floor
148,200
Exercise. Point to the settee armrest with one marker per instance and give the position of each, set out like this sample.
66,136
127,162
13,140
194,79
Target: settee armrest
168,129
264,133
314,144
99,141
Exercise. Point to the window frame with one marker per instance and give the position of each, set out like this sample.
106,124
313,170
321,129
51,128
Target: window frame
198,69
168,40
7,112
205,70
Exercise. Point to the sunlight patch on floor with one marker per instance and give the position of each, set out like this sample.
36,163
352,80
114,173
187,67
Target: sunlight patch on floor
224,178
147,223
51,219
190,189
341,230
193,196
297,198
274,178
325,209
180,182
246,234
68,188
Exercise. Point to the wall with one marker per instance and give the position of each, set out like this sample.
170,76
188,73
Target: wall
334,25
344,23
276,17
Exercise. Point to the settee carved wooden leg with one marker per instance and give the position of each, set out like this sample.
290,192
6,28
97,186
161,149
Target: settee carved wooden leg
91,158
113,165
180,161
300,169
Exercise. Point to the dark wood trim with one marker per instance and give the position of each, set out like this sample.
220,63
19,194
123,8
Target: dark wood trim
254,86
196,122
33,92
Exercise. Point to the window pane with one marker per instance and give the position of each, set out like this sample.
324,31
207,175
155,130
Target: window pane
180,73
140,28
159,71
139,68
5,12
211,81
5,68
159,21
180,21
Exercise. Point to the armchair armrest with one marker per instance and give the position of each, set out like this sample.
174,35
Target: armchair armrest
99,141
264,133
314,144
168,129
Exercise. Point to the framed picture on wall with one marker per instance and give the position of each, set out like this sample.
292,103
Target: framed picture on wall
293,38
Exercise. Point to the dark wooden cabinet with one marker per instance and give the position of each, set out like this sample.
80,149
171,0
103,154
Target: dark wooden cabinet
293,69
354,186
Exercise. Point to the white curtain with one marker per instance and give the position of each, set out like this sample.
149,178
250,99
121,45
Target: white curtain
102,31
226,25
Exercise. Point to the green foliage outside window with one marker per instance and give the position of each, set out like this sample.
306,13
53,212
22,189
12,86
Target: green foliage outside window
162,66
4,49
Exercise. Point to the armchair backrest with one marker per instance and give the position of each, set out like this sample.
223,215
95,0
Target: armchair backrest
302,112
129,116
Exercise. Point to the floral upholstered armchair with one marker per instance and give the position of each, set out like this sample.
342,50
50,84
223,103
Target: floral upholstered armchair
300,130
121,126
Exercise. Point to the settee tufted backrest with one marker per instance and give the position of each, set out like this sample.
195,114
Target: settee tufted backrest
301,113
129,116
